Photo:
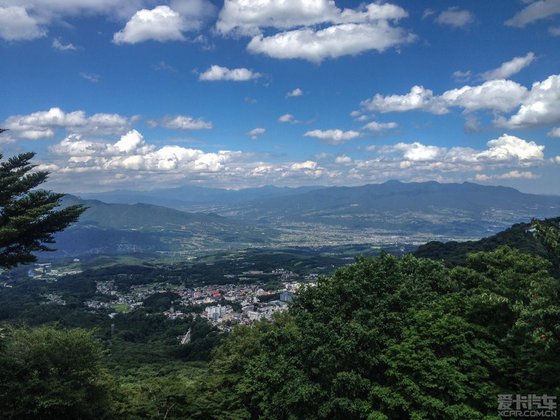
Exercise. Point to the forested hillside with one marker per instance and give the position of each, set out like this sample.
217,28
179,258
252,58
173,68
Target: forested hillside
386,337
521,236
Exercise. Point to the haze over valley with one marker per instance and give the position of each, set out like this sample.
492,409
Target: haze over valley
205,220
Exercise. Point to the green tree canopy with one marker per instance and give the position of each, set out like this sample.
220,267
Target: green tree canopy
29,217
51,374
400,338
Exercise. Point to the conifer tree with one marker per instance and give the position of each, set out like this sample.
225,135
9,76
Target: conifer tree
29,217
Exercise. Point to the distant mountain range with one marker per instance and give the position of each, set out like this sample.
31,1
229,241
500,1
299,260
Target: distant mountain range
405,208
144,228
271,216
189,197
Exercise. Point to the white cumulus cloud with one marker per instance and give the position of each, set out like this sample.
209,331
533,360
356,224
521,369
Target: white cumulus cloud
504,149
494,95
335,136
294,93
248,17
43,124
184,122
29,19
418,152
132,153
507,147
313,29
497,95
378,127
289,119
540,107
535,107
286,118
132,159
57,44
343,160
509,68
131,142
418,98
17,25
515,174
215,73
332,42
307,165
256,132
159,24
455,17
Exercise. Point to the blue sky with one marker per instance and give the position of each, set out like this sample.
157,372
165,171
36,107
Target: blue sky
296,92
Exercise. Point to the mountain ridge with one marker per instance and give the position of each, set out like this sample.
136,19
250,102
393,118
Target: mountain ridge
373,213
397,205
520,236
109,228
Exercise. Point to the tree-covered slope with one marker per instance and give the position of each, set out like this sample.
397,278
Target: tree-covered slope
391,338
383,338
521,236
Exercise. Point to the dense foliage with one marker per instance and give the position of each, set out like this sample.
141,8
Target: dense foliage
548,232
52,374
385,337
522,236
401,338
28,217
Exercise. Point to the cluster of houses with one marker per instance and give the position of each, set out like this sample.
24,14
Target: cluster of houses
223,305
223,316
232,304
